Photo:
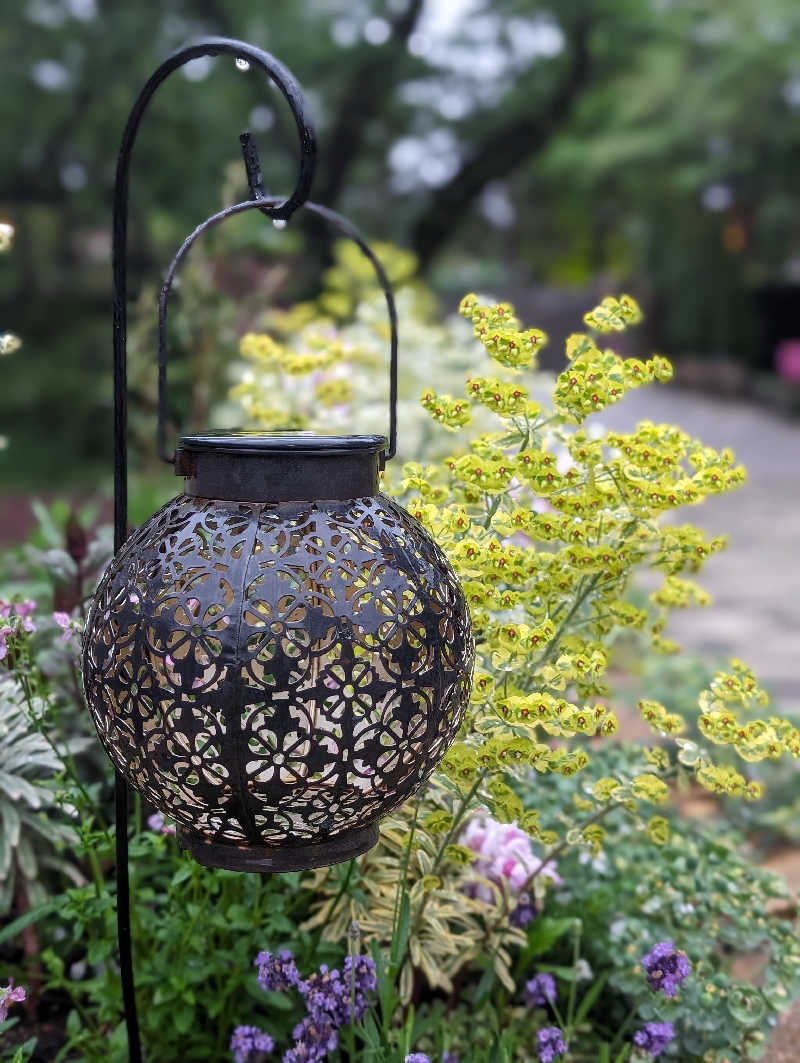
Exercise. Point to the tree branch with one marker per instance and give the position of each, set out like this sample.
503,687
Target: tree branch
372,81
507,147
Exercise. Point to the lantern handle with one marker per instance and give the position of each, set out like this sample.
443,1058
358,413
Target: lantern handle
288,85
270,207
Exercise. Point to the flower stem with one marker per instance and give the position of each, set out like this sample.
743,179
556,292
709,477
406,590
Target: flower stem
573,985
457,818
601,813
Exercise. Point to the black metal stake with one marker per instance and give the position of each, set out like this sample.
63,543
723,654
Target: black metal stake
124,918
286,82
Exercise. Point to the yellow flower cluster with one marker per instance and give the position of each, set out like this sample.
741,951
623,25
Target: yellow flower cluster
753,739
499,332
546,521
614,315
546,525
450,412
501,396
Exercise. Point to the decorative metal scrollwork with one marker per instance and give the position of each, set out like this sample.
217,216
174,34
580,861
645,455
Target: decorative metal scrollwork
278,674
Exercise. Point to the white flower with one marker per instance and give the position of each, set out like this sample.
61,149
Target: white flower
583,972
9,343
616,929
6,236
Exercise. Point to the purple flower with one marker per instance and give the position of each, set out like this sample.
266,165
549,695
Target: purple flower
654,1037
540,990
666,967
525,911
418,1057
10,994
449,1057
362,969
249,1039
158,823
331,1001
327,997
340,999
19,616
359,974
551,1043
314,1038
277,970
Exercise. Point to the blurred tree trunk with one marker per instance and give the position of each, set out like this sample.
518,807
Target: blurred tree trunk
372,80
373,76
521,138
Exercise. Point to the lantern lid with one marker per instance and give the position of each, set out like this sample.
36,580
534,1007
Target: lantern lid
280,441
279,466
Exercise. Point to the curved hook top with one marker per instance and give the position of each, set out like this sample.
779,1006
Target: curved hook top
286,82
288,85
272,67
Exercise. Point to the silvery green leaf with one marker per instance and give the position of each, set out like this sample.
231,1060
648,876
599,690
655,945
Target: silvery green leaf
689,752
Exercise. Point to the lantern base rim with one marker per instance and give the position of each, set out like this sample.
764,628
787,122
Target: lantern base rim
273,858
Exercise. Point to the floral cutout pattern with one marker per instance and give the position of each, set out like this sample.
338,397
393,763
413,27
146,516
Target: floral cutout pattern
278,673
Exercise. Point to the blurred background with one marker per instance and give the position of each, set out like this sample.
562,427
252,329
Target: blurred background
543,153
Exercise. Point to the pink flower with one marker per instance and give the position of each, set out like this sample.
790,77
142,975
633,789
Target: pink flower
64,621
10,994
158,823
787,359
24,611
504,855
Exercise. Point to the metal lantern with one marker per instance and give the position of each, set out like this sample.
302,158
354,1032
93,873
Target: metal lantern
281,654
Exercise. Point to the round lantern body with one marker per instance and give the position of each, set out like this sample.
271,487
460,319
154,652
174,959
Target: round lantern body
280,655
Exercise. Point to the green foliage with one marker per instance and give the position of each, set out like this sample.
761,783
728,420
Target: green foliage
34,831
315,366
548,525
616,114
548,519
700,889
196,932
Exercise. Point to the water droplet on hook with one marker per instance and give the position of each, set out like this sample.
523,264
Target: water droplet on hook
242,64
279,223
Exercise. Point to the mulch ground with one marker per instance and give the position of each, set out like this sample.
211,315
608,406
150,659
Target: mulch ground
785,1044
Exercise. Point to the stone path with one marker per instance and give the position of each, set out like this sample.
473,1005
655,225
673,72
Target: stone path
755,583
